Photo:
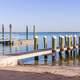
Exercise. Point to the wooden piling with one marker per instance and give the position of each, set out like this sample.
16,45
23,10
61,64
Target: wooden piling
74,48
71,39
79,41
54,47
79,48
66,40
33,31
74,41
68,51
36,43
71,43
3,37
26,37
61,53
45,47
10,26
62,43
54,44
3,33
45,42
59,40
36,48
26,32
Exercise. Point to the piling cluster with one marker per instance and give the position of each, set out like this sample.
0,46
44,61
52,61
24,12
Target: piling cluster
67,47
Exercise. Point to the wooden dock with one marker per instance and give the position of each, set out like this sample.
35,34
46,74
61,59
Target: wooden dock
13,59
64,45
16,43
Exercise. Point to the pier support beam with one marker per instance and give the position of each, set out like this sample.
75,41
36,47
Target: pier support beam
54,47
74,47
33,31
71,43
10,26
45,47
26,37
68,51
3,37
66,40
61,53
36,48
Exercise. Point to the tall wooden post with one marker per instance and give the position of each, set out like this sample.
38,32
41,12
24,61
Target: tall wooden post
74,46
66,40
59,40
61,53
33,31
71,43
45,47
26,32
68,50
3,33
54,47
10,26
79,41
74,41
26,37
3,37
71,40
79,48
36,48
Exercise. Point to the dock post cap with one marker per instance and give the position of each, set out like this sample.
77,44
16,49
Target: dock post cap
69,36
45,36
75,36
54,37
36,37
66,35
62,36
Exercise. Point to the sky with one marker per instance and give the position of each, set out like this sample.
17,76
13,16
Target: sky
46,15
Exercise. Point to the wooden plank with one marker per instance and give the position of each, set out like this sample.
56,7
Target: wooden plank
23,42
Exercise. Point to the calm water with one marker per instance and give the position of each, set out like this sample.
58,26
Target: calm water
22,35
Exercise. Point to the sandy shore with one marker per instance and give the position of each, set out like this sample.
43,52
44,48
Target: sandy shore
40,72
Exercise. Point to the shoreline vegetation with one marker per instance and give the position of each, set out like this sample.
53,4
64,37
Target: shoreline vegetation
40,72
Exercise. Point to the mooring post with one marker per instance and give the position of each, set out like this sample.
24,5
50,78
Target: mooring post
36,48
10,26
45,47
26,37
26,32
71,43
79,48
3,37
61,53
74,46
59,40
67,52
33,31
3,33
66,40
79,41
71,40
74,41
54,47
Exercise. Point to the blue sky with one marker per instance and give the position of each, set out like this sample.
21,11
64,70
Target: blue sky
47,15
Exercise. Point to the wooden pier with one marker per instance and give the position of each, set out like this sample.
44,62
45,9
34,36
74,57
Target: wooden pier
66,43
